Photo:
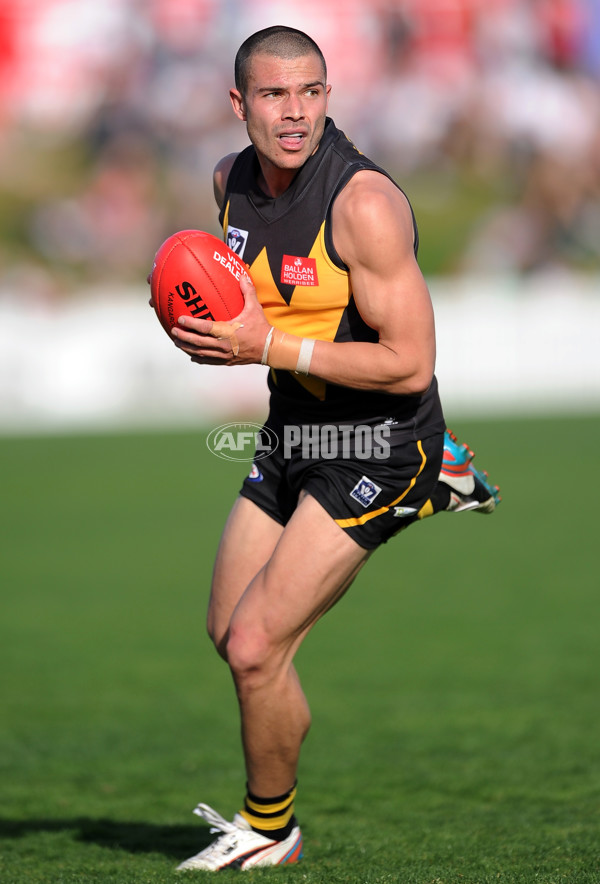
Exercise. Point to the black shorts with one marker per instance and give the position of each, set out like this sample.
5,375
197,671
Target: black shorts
372,478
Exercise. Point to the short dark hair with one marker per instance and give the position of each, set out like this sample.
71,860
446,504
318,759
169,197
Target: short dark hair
278,41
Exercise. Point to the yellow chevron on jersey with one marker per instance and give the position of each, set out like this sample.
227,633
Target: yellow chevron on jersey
301,316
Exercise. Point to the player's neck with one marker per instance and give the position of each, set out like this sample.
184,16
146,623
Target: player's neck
273,181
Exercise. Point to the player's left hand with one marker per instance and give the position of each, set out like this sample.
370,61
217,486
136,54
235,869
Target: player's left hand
210,343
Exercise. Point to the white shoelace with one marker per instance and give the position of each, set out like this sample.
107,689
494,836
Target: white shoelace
215,820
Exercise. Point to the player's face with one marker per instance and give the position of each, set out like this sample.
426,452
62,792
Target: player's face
284,110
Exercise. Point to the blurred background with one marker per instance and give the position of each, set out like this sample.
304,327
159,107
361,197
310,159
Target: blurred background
113,115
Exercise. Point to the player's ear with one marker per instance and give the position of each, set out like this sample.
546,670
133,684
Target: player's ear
238,104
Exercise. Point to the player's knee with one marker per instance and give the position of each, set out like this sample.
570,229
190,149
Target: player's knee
249,653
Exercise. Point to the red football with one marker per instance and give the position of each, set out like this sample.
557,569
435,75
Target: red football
196,274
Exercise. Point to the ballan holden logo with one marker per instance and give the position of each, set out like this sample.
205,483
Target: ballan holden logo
365,491
299,271
242,442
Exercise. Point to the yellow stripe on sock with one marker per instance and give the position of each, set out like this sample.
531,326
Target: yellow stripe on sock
271,808
259,822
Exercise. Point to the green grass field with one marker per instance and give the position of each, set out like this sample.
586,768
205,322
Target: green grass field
455,690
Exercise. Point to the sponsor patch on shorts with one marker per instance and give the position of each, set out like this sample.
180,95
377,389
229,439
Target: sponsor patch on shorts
401,512
365,491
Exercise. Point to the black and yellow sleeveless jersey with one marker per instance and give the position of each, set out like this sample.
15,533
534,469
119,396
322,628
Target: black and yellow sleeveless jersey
301,282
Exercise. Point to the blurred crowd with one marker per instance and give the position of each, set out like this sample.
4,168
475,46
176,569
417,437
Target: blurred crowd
506,92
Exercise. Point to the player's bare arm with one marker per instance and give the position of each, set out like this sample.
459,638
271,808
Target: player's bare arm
220,176
373,234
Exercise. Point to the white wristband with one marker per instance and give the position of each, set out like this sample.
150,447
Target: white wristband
268,340
305,355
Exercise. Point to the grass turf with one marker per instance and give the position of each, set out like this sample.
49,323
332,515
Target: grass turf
454,689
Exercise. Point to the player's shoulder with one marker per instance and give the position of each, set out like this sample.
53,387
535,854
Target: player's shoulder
369,188
220,176
371,201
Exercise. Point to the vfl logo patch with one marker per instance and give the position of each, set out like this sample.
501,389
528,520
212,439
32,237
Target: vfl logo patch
236,240
299,271
255,474
365,491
